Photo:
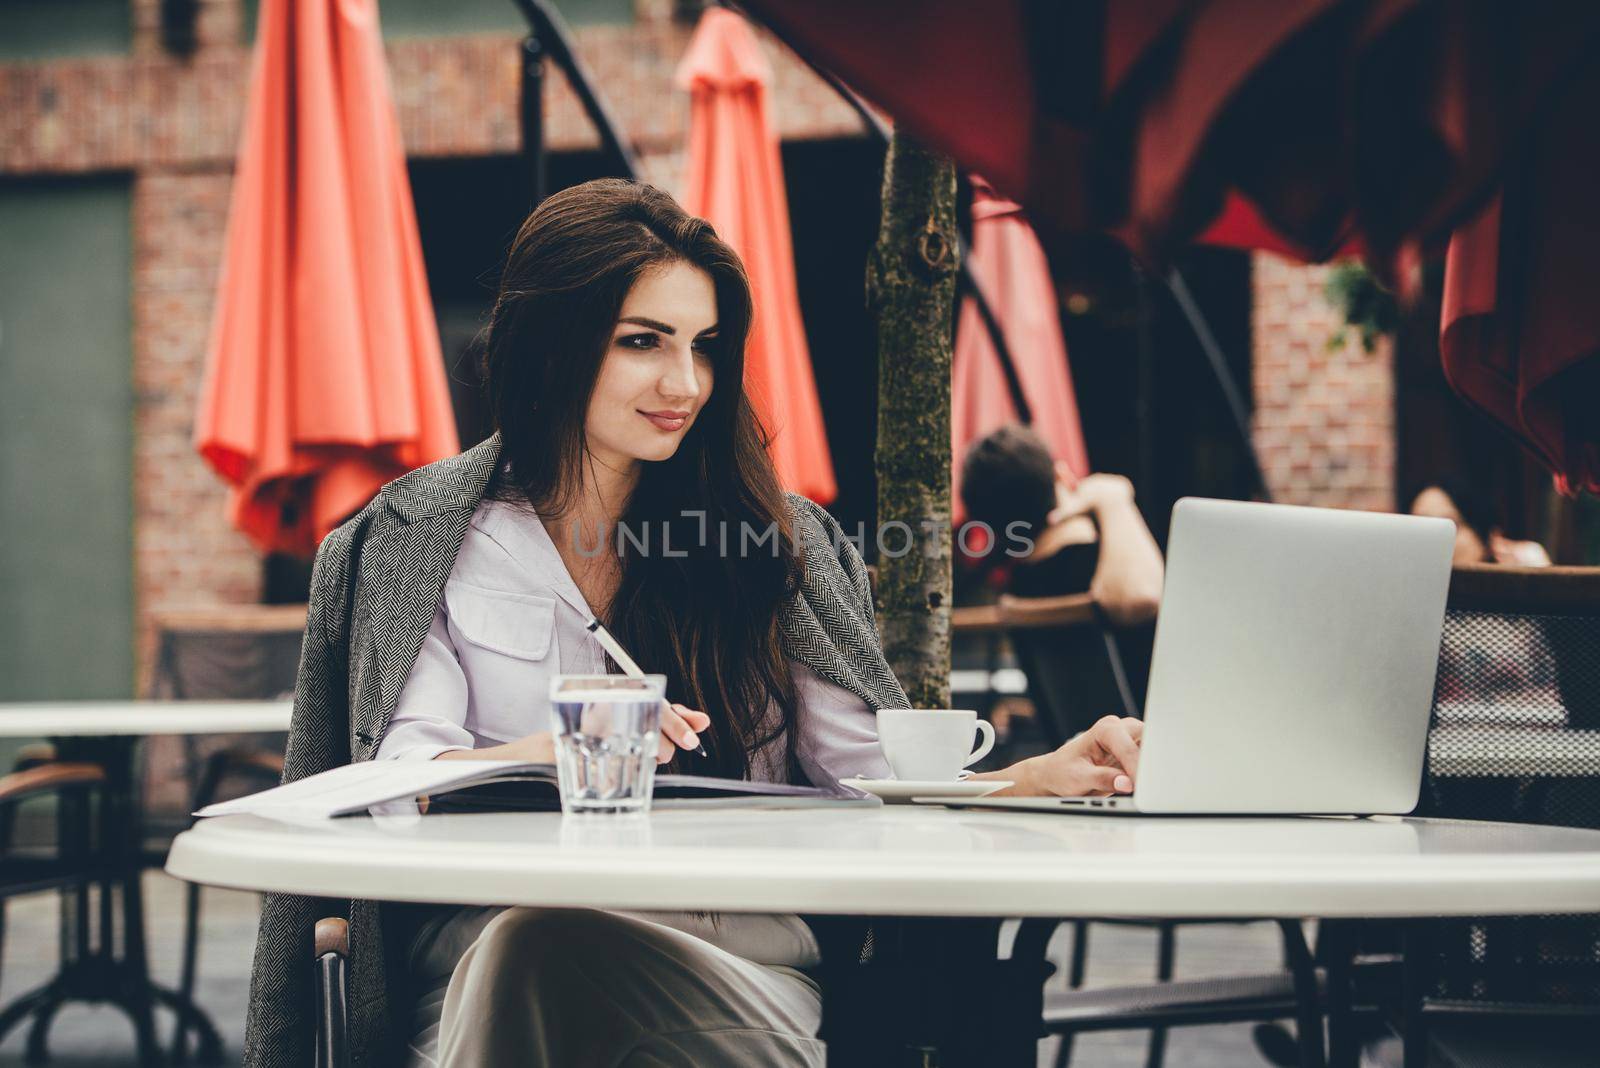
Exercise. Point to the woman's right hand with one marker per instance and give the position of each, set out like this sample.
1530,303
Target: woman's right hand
680,727
679,730
1102,760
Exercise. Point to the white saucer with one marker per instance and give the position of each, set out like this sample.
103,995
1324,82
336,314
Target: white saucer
901,791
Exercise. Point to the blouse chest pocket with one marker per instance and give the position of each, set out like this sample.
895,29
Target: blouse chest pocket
504,641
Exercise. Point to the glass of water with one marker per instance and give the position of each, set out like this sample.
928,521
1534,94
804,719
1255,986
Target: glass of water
607,734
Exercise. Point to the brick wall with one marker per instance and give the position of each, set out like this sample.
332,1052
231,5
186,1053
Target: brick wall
184,548
1324,420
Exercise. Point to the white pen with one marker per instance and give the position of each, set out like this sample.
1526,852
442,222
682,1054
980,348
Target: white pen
618,653
625,662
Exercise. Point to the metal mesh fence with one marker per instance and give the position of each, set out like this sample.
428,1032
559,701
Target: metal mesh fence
1515,737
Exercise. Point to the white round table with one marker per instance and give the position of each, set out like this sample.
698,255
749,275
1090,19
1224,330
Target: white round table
104,719
107,733
913,861
951,871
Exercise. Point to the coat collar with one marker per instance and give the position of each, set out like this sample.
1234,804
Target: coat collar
453,483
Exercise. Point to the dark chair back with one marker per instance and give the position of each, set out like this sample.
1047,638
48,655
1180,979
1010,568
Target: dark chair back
1515,736
227,652
216,653
1077,667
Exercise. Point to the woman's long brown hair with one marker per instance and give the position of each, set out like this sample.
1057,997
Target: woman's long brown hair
707,620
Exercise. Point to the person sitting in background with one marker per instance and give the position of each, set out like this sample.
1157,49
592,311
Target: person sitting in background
1480,535
1489,666
1088,535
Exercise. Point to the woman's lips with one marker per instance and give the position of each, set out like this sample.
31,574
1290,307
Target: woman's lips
666,420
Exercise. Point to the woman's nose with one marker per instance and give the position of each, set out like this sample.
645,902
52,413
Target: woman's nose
679,378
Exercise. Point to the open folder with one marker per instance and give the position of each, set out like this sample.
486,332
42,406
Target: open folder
499,786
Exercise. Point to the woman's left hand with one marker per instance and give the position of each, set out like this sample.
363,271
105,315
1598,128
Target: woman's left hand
1102,760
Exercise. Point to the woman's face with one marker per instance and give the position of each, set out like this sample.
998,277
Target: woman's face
1435,502
656,375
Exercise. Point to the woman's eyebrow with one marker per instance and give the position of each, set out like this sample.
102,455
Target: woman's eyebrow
653,324
656,324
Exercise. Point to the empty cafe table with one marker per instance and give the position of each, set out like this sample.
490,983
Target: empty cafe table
107,733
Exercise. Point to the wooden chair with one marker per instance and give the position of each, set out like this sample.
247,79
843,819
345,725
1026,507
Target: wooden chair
1077,662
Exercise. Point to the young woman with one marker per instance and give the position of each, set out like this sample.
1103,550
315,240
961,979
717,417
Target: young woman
1087,536
1480,534
614,365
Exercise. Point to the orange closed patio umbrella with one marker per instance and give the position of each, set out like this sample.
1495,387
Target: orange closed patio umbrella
324,378
735,181
1010,266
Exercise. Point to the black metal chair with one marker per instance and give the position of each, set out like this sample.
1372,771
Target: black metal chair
1077,672
1295,993
224,652
69,866
1514,737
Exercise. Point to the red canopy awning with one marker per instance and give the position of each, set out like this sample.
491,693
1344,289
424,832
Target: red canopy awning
324,378
1309,127
1521,322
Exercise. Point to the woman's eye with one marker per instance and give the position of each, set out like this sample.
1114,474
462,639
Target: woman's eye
706,347
639,341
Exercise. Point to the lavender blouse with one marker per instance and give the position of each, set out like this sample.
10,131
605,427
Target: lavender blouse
512,617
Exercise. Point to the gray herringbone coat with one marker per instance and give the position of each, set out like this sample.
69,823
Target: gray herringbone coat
374,590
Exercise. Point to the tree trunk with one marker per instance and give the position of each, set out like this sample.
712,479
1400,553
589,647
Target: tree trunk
911,281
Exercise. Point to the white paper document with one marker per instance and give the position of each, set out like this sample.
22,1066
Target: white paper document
353,788
498,786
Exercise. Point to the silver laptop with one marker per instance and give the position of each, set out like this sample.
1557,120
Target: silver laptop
1294,664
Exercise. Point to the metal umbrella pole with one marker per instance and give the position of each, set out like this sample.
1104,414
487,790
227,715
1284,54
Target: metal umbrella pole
1231,393
533,116
969,285
549,37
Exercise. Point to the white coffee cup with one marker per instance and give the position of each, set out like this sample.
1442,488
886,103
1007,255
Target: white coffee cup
931,744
